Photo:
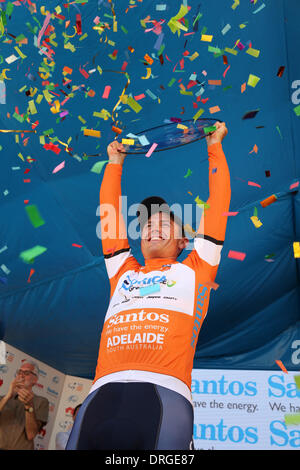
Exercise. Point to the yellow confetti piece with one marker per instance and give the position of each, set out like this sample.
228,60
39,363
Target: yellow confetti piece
253,80
128,141
82,120
206,37
148,74
133,104
253,52
32,107
236,4
198,114
231,51
55,109
47,96
194,56
21,156
23,56
91,133
296,246
256,221
181,126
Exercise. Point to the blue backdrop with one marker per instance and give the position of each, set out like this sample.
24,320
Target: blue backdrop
57,317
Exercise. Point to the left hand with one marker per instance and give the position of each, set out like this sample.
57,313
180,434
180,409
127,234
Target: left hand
218,135
25,397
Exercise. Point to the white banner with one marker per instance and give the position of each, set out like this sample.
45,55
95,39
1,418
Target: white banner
244,410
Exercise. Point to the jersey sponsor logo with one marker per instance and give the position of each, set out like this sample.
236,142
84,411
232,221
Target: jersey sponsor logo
147,338
138,317
201,298
130,284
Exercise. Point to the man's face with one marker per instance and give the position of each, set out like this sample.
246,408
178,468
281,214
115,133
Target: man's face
161,237
26,376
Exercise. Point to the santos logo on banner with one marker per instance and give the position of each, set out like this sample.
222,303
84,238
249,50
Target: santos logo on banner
244,410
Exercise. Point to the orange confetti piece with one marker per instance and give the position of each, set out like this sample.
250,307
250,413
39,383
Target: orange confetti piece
214,109
243,87
148,59
215,82
279,363
268,201
31,273
255,149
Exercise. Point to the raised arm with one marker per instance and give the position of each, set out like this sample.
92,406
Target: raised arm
211,232
115,245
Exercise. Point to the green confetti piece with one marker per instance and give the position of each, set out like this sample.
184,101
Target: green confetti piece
34,216
270,256
18,117
28,256
297,380
189,172
201,203
297,110
216,50
48,132
278,129
292,420
124,29
209,129
171,82
97,167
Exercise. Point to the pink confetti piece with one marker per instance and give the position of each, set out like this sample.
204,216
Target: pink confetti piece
77,246
46,22
230,213
151,150
139,97
236,255
251,183
294,185
106,91
59,167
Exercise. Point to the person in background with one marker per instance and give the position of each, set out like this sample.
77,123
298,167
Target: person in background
22,413
61,438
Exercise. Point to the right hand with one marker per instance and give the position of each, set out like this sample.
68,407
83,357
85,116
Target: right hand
114,151
15,385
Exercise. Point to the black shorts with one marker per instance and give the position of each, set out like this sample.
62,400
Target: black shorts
133,416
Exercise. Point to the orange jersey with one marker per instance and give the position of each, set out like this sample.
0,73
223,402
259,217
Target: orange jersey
156,311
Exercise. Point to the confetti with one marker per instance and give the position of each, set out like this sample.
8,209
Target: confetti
253,80
151,150
149,289
34,216
59,167
97,167
280,364
296,247
269,200
28,256
236,255
106,92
